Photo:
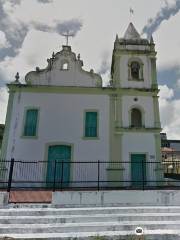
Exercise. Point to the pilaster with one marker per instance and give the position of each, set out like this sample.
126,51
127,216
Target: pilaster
159,168
153,73
116,74
115,170
118,107
7,126
157,123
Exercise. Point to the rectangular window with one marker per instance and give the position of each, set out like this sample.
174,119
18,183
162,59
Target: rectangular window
91,123
30,125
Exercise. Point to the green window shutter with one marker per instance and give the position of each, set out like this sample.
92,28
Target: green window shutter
30,126
91,124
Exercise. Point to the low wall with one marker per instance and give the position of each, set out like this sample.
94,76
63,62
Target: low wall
4,196
115,198
172,182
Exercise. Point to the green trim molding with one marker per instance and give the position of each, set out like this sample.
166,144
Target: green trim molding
84,124
24,120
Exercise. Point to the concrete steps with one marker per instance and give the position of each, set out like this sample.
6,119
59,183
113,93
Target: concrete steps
51,219
115,235
50,222
17,210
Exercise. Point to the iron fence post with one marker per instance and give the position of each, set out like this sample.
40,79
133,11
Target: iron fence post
10,175
143,174
54,183
98,173
62,173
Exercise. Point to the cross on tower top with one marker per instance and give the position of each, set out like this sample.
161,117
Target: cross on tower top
131,11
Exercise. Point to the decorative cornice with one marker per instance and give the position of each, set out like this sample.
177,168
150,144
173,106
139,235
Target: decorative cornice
137,130
149,53
82,90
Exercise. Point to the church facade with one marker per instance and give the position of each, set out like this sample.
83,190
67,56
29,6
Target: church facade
63,113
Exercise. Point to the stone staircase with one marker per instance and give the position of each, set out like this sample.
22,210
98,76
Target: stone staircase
50,222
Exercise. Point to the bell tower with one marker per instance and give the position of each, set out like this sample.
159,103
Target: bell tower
134,61
135,122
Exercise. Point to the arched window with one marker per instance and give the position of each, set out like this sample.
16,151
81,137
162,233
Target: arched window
135,70
65,66
136,118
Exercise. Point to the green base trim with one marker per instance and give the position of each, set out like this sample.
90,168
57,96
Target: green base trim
37,124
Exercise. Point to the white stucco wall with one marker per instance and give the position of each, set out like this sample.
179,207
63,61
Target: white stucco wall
145,103
61,121
74,76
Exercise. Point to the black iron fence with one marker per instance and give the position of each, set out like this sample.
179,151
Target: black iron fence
171,160
64,175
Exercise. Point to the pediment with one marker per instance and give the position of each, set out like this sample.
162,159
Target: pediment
64,69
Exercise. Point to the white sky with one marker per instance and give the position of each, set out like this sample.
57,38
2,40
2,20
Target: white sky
102,20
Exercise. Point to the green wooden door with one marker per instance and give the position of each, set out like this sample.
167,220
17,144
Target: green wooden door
58,167
138,170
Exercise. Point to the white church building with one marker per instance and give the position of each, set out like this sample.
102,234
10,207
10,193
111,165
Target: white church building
64,114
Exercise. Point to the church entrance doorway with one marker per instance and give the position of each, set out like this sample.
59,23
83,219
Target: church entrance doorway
58,166
138,169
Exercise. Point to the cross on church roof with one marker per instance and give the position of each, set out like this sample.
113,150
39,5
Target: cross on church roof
67,35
